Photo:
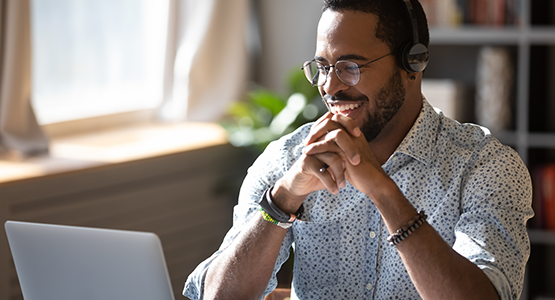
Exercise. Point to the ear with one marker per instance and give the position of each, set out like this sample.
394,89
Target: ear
411,76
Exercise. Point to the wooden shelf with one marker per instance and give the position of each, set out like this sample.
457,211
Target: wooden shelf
477,35
506,137
544,237
541,140
541,35
532,139
474,35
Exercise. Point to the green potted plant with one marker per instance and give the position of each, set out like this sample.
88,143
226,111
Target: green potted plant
265,116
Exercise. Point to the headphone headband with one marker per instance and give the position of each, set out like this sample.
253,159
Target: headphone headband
412,17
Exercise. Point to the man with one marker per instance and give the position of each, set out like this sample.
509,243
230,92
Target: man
395,200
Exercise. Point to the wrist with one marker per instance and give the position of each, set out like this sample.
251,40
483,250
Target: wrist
395,208
381,187
285,200
272,213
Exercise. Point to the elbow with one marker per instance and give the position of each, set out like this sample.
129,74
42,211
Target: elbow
216,288
219,293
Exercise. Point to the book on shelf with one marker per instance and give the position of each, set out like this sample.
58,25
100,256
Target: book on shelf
449,96
450,13
543,202
494,88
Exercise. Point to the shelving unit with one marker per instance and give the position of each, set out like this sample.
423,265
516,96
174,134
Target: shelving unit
542,237
522,38
455,49
538,272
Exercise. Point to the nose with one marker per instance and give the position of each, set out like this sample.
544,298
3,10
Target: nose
333,84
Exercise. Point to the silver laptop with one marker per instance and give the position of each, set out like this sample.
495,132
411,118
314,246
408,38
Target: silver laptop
69,263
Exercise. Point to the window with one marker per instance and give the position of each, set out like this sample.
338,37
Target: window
97,57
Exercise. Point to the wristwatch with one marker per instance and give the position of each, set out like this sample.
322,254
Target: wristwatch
283,219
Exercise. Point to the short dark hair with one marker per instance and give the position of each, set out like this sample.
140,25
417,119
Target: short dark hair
394,25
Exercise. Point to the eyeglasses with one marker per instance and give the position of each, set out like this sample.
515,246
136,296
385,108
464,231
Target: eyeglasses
347,71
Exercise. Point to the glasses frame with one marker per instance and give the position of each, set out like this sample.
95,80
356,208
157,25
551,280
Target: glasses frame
327,69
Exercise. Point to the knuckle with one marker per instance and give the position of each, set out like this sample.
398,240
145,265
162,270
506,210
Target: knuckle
327,123
331,135
327,155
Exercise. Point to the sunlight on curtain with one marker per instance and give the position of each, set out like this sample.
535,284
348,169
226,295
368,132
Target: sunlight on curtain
20,135
97,57
211,63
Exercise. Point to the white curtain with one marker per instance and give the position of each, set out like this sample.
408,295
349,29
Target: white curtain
20,133
207,67
207,63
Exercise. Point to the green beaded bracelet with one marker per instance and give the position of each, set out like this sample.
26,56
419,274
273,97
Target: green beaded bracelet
269,218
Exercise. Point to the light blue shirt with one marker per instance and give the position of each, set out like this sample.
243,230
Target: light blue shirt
476,192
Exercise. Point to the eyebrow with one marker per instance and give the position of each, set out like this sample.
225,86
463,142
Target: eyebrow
343,57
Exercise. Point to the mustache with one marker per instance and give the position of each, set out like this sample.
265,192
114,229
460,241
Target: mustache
341,96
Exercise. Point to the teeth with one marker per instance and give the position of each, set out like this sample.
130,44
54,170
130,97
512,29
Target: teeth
345,107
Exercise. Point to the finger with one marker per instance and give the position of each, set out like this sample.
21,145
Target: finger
321,129
348,124
316,126
336,168
327,115
330,122
346,143
330,170
336,141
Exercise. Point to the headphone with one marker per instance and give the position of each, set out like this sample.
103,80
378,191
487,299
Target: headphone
414,55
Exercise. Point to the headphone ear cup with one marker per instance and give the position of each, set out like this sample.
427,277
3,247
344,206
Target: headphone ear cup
415,57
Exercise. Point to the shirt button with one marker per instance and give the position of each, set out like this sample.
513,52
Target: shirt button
372,234
369,286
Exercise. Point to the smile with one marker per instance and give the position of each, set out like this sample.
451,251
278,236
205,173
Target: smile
344,109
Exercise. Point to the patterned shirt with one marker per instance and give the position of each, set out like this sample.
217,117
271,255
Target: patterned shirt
476,192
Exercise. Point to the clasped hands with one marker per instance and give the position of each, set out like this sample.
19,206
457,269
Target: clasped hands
336,151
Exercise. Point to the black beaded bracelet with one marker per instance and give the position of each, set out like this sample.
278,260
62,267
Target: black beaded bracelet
271,209
403,232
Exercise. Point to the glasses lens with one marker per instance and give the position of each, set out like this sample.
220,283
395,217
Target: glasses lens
315,72
311,72
348,72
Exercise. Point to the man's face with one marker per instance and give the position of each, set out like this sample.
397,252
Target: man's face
376,99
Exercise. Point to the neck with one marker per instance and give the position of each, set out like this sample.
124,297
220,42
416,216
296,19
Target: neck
385,144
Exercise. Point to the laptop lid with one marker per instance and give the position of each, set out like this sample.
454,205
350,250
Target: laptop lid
68,263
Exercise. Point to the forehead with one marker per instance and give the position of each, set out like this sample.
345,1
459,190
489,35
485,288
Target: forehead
348,32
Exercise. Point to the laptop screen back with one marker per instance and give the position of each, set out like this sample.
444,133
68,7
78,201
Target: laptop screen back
67,263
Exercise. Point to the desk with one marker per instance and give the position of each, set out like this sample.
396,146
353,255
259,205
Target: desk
168,179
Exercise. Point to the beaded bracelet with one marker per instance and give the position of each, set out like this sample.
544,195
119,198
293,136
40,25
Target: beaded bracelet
269,218
403,232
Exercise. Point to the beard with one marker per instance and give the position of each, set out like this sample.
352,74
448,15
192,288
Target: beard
389,100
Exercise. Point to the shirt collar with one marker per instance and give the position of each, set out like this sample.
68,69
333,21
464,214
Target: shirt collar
420,141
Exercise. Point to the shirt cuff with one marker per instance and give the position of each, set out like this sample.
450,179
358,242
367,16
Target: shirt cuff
498,280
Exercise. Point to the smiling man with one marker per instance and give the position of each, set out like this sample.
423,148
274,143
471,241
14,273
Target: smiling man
383,197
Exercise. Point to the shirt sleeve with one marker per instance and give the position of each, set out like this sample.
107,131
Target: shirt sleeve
266,170
491,231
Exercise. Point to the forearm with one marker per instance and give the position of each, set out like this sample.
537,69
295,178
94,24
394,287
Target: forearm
437,271
243,270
